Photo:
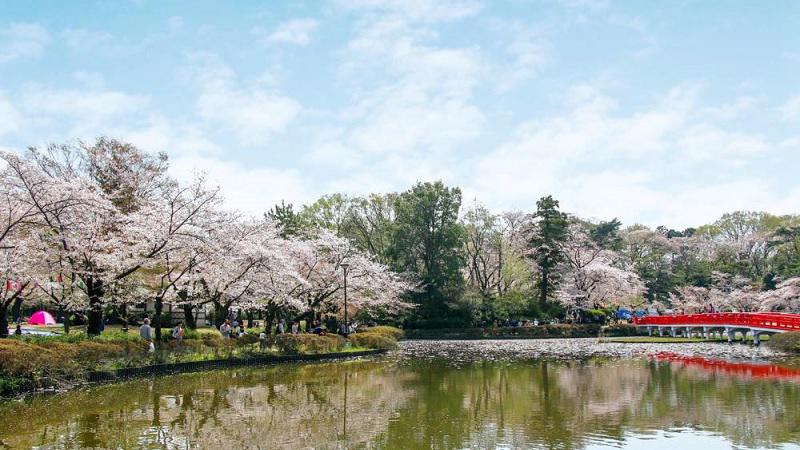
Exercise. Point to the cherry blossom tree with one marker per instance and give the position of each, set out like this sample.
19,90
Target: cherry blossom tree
248,266
593,276
785,297
369,283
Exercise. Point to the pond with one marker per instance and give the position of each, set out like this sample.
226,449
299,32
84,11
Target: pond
445,395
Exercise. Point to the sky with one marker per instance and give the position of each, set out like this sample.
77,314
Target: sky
659,112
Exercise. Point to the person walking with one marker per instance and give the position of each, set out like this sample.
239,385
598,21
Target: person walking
146,333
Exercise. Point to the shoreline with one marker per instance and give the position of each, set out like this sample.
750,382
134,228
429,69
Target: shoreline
100,376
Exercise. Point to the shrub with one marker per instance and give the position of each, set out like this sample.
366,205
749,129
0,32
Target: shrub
10,385
370,339
786,342
293,344
92,353
247,339
190,334
394,333
41,365
621,329
117,336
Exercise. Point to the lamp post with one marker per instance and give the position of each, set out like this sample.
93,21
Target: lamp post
344,267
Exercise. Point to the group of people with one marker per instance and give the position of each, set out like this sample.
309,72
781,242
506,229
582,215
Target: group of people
232,329
146,333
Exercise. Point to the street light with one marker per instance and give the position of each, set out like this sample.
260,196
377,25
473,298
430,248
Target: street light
344,267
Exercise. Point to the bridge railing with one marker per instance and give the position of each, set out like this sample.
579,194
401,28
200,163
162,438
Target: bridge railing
775,321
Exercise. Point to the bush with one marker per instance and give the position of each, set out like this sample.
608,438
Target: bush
10,385
41,365
117,336
621,329
785,342
394,333
190,334
247,339
370,339
293,344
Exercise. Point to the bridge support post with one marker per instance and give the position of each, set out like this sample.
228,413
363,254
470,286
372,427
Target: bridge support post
688,332
661,331
756,338
744,336
705,332
731,334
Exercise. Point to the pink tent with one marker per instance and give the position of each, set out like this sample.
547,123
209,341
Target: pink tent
42,318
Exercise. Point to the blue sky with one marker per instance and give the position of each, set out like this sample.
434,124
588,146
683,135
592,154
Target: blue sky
662,112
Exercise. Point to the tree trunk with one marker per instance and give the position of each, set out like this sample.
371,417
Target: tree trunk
124,314
66,322
188,316
220,313
16,309
65,317
96,291
3,319
159,306
544,287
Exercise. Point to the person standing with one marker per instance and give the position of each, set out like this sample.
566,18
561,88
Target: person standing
295,327
281,326
225,329
178,334
146,333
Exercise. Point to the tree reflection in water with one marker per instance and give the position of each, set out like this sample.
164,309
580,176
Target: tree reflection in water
390,403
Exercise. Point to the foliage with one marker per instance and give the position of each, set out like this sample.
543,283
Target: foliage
544,244
620,329
786,342
293,344
427,241
373,340
394,333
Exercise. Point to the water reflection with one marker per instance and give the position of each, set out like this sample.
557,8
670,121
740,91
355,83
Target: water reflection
418,404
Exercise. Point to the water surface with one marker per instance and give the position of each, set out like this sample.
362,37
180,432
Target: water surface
444,395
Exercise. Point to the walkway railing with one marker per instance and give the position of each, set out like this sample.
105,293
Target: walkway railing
759,320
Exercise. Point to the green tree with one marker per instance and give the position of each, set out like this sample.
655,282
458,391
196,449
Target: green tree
291,223
548,234
331,212
428,240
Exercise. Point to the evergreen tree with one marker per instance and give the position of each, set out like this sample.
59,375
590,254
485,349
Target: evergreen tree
549,233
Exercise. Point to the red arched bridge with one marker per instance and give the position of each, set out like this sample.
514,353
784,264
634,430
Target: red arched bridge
707,324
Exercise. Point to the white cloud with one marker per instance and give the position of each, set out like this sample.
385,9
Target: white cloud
252,113
22,41
667,163
417,10
78,39
179,139
9,116
790,110
247,189
297,31
82,104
